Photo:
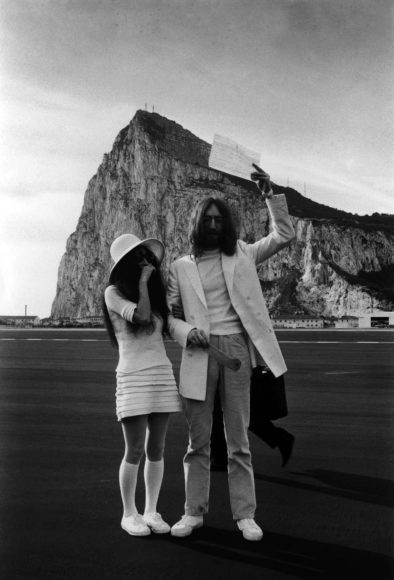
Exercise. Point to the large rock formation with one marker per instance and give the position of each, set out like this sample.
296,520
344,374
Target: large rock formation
148,185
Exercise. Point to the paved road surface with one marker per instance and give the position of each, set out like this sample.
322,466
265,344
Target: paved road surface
327,515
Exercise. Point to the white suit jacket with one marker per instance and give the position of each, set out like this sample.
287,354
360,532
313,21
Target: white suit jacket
185,288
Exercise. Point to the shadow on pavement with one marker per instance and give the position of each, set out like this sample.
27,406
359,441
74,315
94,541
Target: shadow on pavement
294,556
347,485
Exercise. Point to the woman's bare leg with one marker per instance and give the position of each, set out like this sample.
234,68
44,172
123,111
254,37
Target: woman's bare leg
154,462
134,431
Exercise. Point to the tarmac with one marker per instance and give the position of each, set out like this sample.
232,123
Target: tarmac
327,515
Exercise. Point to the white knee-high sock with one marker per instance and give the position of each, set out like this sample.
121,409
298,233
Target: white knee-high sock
153,475
128,473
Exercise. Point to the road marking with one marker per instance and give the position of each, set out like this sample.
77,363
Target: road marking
336,342
59,339
166,340
343,373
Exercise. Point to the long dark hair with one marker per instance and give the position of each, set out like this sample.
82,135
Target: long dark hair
228,238
125,276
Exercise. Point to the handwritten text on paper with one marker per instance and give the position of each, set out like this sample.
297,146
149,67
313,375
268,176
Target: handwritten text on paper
230,157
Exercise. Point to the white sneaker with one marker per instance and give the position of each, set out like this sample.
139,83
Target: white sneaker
186,525
250,530
156,523
135,525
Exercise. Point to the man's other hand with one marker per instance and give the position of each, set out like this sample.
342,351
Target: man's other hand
197,337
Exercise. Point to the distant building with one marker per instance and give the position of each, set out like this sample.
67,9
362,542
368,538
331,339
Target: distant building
19,321
347,322
376,320
82,321
301,321
90,320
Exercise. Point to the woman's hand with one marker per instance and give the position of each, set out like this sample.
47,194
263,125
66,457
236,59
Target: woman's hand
263,181
146,272
197,337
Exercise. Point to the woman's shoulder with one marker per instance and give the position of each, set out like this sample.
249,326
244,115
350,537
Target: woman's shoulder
110,290
111,293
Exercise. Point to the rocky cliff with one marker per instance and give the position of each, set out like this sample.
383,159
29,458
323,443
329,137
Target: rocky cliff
150,181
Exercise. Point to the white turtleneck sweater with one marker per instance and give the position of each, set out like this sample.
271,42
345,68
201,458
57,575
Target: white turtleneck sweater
222,316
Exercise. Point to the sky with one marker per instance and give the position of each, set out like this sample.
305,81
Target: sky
308,83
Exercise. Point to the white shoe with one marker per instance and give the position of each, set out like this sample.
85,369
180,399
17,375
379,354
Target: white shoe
186,525
135,525
250,530
156,523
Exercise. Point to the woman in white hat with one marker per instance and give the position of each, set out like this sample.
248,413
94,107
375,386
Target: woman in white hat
135,312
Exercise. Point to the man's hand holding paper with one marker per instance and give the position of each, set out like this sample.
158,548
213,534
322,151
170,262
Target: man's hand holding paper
230,157
263,181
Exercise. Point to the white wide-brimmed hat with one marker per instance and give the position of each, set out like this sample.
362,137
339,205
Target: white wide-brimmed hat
127,242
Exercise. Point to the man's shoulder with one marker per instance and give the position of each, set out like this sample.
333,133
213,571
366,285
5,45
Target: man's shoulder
242,247
183,260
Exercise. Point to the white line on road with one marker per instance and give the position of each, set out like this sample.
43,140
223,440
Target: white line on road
343,373
336,342
280,341
59,339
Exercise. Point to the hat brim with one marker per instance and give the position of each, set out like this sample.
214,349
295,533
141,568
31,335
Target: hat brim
154,245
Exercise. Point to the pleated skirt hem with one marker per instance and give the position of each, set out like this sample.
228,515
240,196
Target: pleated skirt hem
148,391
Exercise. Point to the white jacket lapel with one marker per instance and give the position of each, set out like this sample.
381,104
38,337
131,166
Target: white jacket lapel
194,277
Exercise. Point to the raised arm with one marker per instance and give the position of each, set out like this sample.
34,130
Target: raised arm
130,311
282,228
143,312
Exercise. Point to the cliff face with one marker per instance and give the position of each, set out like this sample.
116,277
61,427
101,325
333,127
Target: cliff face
149,183
331,270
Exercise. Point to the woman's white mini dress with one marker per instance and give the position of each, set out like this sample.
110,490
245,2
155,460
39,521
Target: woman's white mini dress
144,376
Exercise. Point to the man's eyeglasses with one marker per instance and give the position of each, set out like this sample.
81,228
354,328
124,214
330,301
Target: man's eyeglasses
208,219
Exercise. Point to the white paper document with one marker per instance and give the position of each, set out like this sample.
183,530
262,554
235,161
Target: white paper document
230,157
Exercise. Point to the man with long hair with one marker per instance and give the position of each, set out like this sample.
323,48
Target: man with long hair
219,290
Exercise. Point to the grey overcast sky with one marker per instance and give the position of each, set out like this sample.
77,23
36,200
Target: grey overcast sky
309,83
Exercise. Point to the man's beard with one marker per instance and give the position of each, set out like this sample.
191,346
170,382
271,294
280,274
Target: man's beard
211,241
